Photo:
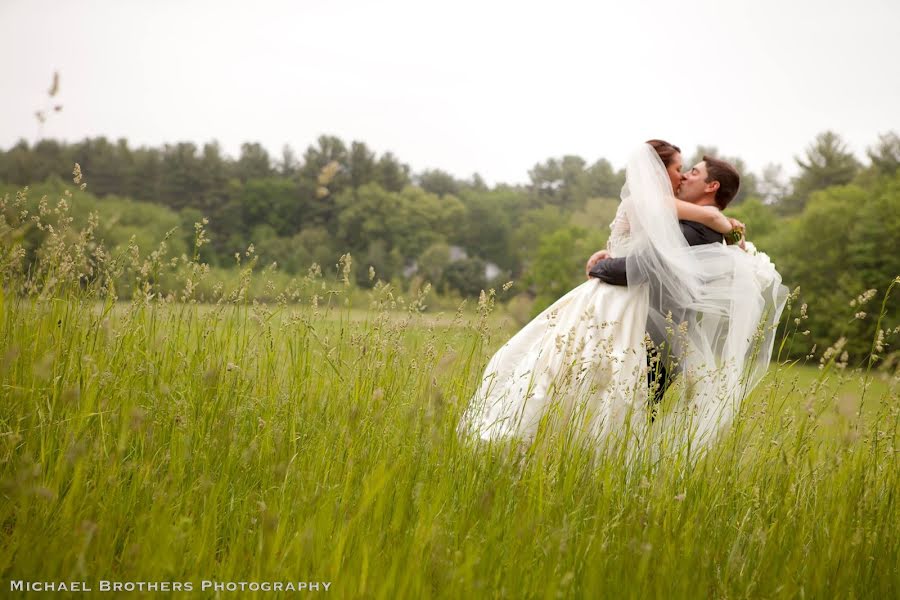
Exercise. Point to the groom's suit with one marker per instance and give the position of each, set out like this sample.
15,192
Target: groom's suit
612,270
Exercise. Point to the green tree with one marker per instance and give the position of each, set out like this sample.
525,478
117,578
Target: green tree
254,163
558,181
466,276
559,263
424,219
213,181
596,215
761,220
600,180
534,223
885,155
364,215
361,165
773,186
181,175
289,164
438,182
386,262
834,250
391,174
434,260
268,201
295,254
828,162
487,228
319,184
148,166
100,160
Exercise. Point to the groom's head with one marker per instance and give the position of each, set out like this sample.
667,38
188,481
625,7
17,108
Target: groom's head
711,181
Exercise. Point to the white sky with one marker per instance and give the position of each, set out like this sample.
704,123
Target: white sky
465,86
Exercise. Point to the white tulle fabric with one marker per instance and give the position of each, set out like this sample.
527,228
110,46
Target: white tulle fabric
581,363
715,306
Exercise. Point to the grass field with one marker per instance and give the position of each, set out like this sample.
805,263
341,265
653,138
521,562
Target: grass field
180,442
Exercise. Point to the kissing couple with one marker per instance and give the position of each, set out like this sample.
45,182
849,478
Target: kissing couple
667,297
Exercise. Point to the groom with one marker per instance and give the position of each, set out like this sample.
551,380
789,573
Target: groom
711,182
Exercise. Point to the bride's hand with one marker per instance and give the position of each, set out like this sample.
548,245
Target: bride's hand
737,234
593,260
721,223
735,224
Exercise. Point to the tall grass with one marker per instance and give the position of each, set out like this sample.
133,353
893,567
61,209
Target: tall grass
314,439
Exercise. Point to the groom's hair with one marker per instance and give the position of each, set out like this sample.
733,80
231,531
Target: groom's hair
665,150
728,178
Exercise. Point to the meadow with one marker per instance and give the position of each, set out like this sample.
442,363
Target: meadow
314,439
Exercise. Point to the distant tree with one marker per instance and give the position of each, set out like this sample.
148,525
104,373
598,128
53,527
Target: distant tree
363,215
827,162
885,155
600,180
254,163
50,158
322,177
100,161
361,167
148,167
438,182
773,186
596,216
556,181
467,276
314,245
19,165
391,174
559,264
432,263
532,224
268,202
487,228
408,222
181,176
834,250
386,262
760,219
213,180
289,163
477,183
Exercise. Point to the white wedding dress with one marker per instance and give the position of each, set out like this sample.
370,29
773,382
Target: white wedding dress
581,364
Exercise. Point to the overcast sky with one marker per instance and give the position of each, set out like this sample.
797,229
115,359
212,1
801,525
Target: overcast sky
465,86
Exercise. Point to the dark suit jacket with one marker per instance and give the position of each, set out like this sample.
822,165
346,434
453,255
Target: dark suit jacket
612,270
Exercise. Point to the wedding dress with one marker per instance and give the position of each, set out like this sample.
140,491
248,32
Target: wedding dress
582,360
581,363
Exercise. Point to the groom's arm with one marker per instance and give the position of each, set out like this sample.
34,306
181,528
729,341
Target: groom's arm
612,270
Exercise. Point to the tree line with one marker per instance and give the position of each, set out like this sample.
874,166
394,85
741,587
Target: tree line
832,229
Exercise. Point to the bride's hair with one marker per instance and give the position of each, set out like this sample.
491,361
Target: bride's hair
665,150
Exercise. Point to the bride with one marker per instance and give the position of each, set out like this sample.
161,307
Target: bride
581,364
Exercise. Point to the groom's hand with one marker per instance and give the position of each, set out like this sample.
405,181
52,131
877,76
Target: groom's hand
593,260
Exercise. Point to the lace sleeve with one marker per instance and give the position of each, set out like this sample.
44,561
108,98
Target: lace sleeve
620,232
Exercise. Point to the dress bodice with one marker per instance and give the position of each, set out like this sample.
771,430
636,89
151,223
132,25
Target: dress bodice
620,233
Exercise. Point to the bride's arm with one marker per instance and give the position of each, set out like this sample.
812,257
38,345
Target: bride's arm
710,216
